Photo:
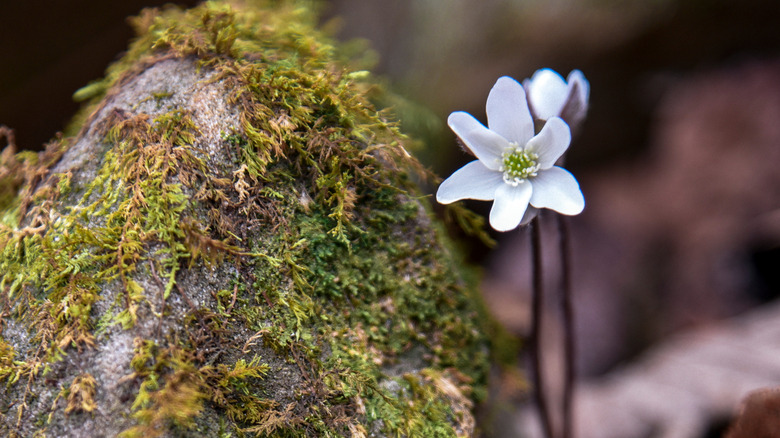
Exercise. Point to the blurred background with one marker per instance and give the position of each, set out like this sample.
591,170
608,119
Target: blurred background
678,250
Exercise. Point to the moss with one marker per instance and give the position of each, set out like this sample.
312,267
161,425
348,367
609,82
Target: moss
9,370
81,394
280,278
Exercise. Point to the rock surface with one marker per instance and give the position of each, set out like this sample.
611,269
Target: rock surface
230,245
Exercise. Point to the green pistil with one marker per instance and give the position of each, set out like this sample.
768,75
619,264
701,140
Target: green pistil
519,165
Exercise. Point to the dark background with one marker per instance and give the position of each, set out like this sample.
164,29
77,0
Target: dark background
50,49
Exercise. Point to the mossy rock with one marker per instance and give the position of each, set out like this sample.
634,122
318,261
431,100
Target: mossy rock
230,243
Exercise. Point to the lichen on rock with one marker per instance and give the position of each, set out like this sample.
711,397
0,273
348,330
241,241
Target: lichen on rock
229,242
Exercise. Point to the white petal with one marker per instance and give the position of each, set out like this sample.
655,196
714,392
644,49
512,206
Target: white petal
556,189
551,142
507,111
472,181
583,86
529,215
576,106
486,144
547,93
509,206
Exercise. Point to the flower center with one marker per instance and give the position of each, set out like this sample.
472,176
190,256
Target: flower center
518,165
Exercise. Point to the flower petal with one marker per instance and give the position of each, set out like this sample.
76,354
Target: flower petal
510,206
583,86
556,189
529,215
507,111
551,142
472,181
547,93
486,144
576,106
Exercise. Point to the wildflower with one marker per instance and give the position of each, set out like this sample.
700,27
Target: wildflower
515,168
549,95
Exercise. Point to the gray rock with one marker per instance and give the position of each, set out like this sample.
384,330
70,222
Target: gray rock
230,245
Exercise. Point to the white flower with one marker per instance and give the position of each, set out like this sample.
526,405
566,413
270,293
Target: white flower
515,168
549,95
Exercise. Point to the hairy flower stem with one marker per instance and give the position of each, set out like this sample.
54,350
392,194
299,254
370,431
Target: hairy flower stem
568,325
536,326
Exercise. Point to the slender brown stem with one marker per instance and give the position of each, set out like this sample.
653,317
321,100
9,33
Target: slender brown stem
536,326
568,325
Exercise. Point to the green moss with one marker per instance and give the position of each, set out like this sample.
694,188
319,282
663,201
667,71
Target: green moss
329,262
9,369
173,390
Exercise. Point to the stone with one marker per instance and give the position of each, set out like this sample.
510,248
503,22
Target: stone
229,241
